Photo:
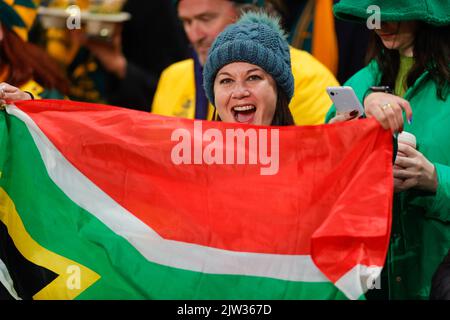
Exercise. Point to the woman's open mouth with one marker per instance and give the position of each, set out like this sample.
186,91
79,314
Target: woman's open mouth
244,114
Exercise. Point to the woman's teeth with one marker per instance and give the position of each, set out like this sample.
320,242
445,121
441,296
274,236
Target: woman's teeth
244,108
244,114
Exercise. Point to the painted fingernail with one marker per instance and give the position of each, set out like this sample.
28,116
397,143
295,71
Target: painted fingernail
410,120
354,113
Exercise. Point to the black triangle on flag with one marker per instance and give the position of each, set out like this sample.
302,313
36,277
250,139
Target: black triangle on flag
27,277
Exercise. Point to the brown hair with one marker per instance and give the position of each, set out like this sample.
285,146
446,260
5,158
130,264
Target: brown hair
431,52
27,62
282,115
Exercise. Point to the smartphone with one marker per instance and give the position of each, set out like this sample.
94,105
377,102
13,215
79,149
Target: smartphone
345,100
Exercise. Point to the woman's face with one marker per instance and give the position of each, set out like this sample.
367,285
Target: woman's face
245,93
398,36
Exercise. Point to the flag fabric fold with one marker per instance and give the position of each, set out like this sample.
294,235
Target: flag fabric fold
122,204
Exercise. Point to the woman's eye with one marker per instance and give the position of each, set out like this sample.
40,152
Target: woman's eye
225,81
254,77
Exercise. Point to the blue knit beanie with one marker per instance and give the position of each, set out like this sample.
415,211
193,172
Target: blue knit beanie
257,39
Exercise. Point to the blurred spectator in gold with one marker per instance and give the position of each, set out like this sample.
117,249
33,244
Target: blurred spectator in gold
123,70
23,65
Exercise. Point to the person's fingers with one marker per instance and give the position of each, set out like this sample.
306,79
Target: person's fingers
399,116
403,162
7,88
337,118
377,113
407,150
10,93
405,174
377,99
4,87
352,115
340,117
398,182
6,92
406,107
353,118
389,111
408,184
398,185
16,96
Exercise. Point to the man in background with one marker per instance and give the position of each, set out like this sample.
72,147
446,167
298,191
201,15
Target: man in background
180,89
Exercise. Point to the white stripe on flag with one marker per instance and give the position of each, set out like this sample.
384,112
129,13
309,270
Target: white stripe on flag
6,280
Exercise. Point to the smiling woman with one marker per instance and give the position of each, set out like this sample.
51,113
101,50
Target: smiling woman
245,93
248,75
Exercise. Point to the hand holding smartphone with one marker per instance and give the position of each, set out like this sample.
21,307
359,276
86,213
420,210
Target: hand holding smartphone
345,100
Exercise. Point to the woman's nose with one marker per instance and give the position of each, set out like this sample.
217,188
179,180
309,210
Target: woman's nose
240,91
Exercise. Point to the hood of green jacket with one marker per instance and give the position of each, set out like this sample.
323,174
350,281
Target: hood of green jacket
434,12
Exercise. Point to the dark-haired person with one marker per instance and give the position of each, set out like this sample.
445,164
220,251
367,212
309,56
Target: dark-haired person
410,53
22,64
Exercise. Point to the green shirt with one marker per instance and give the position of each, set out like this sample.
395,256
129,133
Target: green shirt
400,83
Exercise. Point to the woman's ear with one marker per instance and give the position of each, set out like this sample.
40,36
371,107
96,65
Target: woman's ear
1,32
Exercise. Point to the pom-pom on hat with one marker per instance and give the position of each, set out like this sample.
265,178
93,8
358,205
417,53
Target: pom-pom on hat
258,39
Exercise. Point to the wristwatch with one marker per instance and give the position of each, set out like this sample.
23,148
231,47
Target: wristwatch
385,89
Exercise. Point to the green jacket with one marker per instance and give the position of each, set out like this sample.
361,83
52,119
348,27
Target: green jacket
420,235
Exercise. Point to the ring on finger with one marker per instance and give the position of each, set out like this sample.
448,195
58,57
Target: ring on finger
385,106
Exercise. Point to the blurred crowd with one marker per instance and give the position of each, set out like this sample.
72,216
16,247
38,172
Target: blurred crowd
124,68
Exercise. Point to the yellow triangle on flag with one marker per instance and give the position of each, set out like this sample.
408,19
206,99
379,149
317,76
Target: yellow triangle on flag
73,278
